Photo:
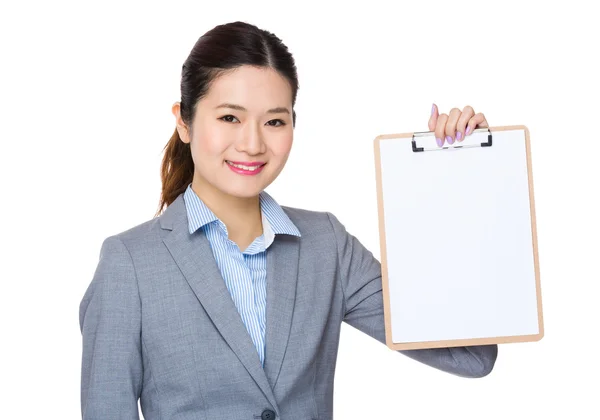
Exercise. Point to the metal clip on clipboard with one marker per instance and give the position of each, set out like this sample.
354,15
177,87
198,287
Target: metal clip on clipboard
452,146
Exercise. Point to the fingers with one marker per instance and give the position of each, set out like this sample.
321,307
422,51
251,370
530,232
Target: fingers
478,120
433,118
462,122
440,129
456,126
450,129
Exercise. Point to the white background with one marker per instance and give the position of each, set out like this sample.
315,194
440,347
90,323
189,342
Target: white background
85,94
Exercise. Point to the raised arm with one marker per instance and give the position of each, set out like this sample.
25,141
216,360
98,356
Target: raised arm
360,276
110,322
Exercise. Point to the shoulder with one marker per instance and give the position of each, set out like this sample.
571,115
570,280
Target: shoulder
311,222
140,236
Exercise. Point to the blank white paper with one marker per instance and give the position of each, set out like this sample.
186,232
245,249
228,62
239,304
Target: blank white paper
459,239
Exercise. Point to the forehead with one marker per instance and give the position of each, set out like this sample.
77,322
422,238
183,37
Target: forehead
249,85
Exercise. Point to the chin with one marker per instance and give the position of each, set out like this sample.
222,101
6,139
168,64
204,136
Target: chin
243,192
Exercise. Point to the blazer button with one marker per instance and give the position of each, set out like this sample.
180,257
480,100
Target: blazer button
268,415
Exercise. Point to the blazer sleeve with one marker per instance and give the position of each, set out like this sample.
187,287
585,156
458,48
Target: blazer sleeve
110,323
360,277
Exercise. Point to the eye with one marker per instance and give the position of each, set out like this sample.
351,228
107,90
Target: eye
281,121
227,116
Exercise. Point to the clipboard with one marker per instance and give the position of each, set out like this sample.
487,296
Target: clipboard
458,238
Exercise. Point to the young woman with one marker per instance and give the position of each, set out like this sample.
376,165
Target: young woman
228,305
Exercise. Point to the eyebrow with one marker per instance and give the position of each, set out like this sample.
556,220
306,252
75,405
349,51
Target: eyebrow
278,110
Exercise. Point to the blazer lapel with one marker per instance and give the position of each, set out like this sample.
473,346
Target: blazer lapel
193,255
282,277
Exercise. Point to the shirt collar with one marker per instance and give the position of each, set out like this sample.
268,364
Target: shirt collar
277,221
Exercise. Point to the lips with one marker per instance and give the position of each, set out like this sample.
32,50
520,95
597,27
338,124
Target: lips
246,163
253,169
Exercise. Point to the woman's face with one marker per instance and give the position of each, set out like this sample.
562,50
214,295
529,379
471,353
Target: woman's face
245,117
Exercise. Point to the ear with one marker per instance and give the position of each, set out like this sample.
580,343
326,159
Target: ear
180,125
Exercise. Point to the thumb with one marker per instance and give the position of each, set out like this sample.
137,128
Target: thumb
433,118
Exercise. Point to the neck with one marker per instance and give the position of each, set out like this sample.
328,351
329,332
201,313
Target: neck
241,215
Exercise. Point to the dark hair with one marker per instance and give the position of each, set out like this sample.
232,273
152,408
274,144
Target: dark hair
223,48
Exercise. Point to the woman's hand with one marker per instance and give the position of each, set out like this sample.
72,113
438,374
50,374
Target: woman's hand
456,126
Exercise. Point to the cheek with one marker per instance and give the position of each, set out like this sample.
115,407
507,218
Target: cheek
210,142
282,146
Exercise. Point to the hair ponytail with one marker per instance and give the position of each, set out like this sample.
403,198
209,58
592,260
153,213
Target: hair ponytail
177,170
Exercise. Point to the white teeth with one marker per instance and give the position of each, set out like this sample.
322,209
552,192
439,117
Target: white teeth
247,168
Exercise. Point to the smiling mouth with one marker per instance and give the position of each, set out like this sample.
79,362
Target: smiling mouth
245,167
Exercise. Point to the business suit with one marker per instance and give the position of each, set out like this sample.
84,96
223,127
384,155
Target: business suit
243,270
158,322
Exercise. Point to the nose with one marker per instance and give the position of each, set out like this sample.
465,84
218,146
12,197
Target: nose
251,140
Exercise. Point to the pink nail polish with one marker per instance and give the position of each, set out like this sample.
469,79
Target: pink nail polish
468,130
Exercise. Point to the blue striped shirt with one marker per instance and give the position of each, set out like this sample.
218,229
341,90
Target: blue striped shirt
245,273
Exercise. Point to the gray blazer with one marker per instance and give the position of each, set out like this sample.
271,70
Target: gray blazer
159,325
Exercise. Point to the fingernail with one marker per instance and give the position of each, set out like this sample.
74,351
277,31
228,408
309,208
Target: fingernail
468,131
458,135
449,140
439,141
432,109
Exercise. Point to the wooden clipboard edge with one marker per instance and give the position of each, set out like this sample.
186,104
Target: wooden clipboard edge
382,241
536,264
384,271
